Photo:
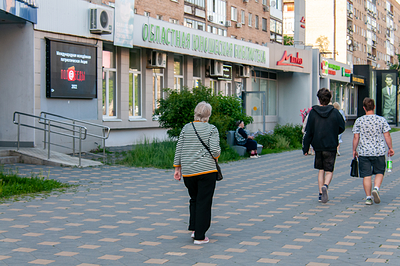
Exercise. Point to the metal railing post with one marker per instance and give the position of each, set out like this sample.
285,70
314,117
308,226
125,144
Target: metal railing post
73,139
80,146
44,133
48,149
104,146
18,131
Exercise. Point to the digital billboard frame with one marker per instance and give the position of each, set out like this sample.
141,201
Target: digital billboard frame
71,70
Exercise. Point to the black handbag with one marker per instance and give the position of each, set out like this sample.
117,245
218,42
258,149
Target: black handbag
219,174
354,167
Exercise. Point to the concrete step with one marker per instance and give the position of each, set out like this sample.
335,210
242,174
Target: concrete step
9,159
4,153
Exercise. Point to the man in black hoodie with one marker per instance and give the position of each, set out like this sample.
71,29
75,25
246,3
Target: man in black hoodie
324,125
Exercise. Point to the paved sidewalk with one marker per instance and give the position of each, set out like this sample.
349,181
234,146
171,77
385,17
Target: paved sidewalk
265,211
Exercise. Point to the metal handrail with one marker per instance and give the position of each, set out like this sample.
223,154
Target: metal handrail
47,129
105,130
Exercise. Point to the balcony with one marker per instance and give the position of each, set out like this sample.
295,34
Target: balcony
350,31
349,15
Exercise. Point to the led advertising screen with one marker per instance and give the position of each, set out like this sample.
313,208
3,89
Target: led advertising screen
388,91
70,70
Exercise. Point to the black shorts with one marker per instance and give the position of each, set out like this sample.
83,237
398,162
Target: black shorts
325,160
371,165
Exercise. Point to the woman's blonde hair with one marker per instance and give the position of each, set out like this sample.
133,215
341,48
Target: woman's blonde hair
202,112
336,105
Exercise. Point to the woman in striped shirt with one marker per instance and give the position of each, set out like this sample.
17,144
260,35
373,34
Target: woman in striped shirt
194,163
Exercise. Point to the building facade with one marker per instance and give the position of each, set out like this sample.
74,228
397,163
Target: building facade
355,31
113,71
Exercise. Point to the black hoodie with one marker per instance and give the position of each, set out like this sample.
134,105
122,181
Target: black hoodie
324,124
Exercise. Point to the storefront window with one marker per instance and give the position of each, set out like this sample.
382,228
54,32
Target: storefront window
158,84
135,88
196,72
263,81
178,72
352,106
346,95
109,81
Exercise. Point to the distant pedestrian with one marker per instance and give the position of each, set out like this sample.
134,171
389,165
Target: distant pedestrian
195,164
371,131
337,106
323,127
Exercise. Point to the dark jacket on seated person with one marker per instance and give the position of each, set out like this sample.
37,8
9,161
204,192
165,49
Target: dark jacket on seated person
242,140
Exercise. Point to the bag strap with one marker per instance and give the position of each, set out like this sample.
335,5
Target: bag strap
208,149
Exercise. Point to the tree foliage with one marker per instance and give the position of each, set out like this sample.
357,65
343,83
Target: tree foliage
396,66
177,109
287,40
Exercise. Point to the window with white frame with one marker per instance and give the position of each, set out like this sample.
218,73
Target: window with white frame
178,72
158,85
174,21
159,17
250,19
264,24
146,14
196,72
200,3
194,24
242,17
109,81
264,2
233,13
217,11
215,30
256,22
135,84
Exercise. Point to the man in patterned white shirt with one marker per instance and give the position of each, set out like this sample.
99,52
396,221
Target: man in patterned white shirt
371,131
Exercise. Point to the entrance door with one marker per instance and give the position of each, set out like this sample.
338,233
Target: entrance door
254,105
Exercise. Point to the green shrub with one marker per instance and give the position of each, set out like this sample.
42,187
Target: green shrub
267,140
158,154
292,133
282,142
177,109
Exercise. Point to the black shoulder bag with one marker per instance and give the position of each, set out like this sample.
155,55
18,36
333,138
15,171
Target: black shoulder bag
354,167
219,175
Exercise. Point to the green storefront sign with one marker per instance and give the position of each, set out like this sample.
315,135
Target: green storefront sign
184,40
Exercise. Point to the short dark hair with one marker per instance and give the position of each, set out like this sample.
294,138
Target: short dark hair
238,122
369,104
389,75
324,96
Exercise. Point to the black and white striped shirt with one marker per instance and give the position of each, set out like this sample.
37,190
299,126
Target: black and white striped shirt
191,155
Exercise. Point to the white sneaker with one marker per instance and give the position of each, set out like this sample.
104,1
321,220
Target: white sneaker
200,242
253,156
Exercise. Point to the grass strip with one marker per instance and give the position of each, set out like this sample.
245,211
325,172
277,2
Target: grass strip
13,185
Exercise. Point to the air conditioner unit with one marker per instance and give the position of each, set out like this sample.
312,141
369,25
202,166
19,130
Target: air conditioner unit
228,23
243,72
266,8
216,68
210,18
238,25
101,21
157,59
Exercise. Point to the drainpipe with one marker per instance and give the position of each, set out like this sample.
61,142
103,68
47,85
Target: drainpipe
334,30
